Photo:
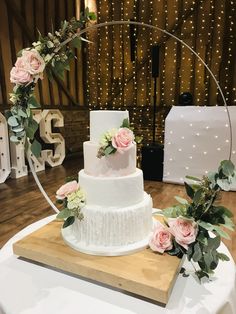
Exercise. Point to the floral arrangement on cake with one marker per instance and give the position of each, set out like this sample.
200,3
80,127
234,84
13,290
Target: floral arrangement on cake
73,200
52,54
195,227
117,140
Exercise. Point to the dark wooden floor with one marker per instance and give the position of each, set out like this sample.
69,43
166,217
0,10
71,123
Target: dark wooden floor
22,203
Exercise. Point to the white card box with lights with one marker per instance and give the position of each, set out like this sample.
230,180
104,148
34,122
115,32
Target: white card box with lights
196,140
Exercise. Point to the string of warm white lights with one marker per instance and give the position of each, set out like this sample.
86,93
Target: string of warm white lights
203,30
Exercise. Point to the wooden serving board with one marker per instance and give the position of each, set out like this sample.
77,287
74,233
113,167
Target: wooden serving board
144,273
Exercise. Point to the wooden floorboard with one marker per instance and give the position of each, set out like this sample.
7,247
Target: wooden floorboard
22,203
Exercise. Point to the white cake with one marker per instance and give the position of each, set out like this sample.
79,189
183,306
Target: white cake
118,213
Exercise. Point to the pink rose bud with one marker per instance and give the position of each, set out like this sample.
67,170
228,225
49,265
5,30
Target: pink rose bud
123,138
34,63
20,76
67,189
184,230
161,239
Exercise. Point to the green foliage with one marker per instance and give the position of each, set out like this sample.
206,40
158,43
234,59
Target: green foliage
210,217
76,42
36,148
125,123
109,150
56,49
69,221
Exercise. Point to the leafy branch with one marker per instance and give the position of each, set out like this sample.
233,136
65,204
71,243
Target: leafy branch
54,52
210,217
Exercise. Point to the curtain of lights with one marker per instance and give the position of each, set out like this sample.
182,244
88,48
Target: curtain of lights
116,82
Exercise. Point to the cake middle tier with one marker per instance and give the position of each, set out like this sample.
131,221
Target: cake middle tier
112,192
114,165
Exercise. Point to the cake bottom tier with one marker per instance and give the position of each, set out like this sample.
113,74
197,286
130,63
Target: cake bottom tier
111,231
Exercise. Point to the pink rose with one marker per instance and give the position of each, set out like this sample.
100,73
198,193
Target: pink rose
161,239
123,138
184,230
32,61
20,76
67,189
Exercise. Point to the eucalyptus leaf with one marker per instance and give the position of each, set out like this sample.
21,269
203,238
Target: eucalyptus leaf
125,123
33,124
17,129
69,221
197,195
31,129
22,113
181,200
228,223
189,190
201,274
64,213
213,243
223,257
32,102
12,121
109,150
208,259
49,73
197,255
193,178
206,225
76,42
30,133
221,232
227,167
227,212
36,148
224,184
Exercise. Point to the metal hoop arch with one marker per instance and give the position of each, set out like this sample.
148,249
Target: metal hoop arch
95,26
112,23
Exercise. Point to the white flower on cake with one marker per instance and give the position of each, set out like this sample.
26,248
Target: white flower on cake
76,199
116,140
73,200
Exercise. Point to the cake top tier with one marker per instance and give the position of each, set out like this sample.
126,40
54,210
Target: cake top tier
102,121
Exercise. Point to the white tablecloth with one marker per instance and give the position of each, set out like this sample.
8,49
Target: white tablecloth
30,288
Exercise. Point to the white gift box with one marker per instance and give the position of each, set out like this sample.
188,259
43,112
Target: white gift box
196,140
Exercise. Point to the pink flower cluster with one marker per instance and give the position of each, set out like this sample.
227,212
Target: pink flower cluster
183,230
28,68
67,189
122,139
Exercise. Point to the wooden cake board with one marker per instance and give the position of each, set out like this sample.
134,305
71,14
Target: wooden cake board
144,273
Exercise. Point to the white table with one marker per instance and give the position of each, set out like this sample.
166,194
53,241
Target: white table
30,288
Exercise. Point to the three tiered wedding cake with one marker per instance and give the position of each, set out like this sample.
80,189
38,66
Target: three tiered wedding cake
118,213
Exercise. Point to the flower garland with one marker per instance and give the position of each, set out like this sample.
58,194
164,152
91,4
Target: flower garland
51,53
194,227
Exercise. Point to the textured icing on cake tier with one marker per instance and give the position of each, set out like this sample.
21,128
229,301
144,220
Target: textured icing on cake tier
112,192
102,121
114,165
108,227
